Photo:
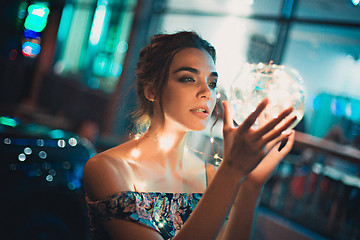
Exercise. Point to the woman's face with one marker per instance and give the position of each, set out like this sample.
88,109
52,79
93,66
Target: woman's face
189,96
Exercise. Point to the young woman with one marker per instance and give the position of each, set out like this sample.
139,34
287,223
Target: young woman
151,188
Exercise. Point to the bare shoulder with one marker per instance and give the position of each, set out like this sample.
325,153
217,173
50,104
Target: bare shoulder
108,172
111,172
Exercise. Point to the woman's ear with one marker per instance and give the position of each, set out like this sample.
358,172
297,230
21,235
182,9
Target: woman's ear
149,93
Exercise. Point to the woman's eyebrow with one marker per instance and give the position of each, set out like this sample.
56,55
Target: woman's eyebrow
189,69
214,74
194,70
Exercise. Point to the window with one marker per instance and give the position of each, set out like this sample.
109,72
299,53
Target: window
92,41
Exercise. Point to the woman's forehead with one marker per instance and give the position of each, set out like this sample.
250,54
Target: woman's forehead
192,57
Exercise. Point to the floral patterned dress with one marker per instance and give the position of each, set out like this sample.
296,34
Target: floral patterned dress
164,212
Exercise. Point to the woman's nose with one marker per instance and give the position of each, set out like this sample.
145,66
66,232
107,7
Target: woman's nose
204,91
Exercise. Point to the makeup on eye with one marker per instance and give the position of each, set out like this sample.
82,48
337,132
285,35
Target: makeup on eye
212,84
186,79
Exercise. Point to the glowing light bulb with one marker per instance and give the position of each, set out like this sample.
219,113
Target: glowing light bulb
283,86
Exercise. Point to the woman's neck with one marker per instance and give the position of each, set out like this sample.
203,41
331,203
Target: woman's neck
167,144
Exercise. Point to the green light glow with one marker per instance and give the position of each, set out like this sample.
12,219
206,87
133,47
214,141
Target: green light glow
37,18
65,22
8,121
57,133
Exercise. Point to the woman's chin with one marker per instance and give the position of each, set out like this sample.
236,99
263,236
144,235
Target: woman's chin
198,127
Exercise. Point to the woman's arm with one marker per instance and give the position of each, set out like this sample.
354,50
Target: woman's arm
208,217
242,216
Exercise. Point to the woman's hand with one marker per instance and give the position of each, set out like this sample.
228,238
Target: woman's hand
259,176
244,147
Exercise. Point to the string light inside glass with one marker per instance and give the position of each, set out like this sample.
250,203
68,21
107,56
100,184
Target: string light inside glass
282,85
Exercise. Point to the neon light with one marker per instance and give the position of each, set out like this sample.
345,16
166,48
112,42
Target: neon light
8,121
65,22
97,25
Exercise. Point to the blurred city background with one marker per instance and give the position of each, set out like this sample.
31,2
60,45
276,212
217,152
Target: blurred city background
66,93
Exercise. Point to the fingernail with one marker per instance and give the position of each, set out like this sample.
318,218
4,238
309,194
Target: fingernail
286,132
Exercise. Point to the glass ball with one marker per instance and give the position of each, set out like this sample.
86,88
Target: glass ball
283,86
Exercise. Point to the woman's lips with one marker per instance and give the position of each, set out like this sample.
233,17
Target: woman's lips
200,112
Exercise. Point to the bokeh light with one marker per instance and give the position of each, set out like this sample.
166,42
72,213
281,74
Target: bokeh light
40,142
22,157
30,49
7,141
42,154
13,54
61,143
27,150
37,17
28,34
122,47
72,142
49,178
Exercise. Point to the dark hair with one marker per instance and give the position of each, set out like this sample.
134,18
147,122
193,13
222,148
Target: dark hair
153,67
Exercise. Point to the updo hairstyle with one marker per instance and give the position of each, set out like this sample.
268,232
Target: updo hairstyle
153,69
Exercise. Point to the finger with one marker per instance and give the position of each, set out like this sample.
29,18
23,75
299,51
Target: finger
227,116
275,144
249,121
272,159
277,132
289,143
271,125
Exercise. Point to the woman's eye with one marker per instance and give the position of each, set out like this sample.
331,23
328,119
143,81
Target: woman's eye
212,85
187,79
